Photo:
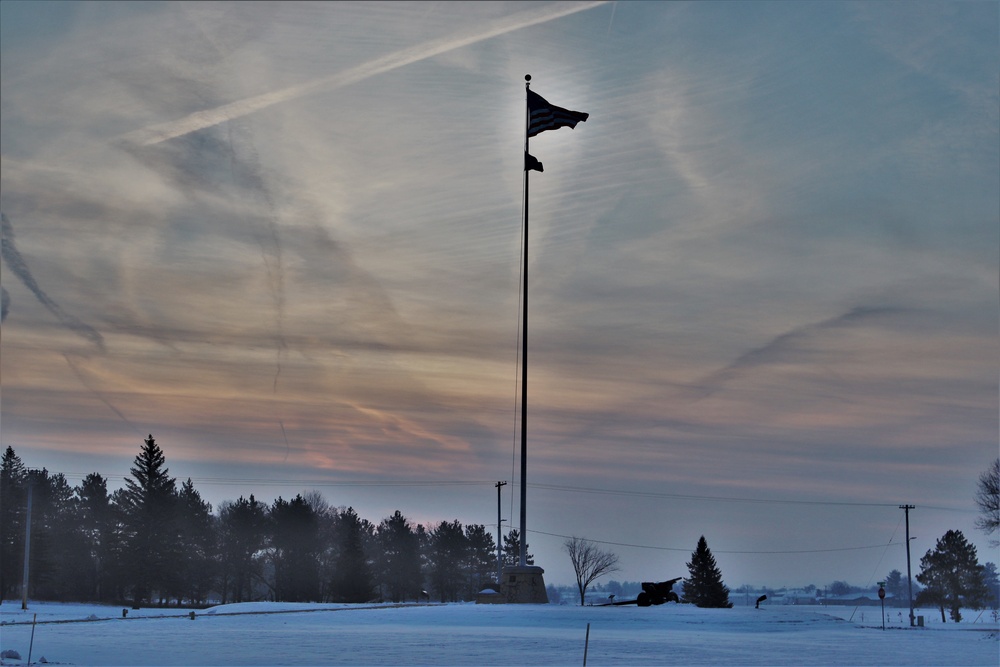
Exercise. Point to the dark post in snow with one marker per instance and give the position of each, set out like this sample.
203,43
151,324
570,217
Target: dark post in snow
881,597
909,579
27,545
499,536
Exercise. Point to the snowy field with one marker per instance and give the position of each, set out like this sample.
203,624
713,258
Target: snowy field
468,634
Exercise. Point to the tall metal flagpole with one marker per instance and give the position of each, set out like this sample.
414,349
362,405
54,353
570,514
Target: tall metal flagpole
522,557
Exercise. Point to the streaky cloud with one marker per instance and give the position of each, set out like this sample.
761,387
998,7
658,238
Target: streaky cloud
100,396
11,255
779,346
200,120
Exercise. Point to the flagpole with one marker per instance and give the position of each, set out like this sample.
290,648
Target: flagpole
522,556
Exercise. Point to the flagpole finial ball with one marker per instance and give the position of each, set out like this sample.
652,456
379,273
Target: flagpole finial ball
527,77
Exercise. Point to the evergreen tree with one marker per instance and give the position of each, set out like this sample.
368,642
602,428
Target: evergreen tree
352,579
512,550
897,589
952,576
481,559
97,527
59,552
12,512
242,540
398,562
448,550
196,530
148,510
704,587
295,545
991,579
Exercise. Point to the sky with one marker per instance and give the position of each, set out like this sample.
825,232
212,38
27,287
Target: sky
285,240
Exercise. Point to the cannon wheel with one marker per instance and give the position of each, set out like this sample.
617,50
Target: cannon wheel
643,599
672,597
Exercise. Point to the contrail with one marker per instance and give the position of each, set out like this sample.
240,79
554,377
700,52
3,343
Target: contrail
287,446
200,120
246,169
11,255
83,380
781,345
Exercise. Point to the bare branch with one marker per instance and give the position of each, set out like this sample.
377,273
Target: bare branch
589,563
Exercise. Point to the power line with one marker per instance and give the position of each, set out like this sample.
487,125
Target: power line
235,481
791,551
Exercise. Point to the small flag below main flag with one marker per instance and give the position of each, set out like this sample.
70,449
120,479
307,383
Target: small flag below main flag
531,162
543,116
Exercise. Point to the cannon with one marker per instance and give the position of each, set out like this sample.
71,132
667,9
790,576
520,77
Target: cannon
653,593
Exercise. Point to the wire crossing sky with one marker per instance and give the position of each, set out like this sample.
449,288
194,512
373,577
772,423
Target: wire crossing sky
284,239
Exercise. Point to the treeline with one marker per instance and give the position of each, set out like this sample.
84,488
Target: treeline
152,542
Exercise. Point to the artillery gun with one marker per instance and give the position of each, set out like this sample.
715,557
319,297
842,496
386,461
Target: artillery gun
653,593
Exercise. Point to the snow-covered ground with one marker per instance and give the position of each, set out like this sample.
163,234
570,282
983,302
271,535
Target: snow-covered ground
468,634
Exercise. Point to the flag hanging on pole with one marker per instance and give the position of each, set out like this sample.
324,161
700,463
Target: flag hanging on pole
543,116
531,162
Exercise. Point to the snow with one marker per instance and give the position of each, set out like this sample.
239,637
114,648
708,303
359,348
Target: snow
264,633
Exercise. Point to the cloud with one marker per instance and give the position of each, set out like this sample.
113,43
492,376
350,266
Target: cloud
209,117
19,267
791,346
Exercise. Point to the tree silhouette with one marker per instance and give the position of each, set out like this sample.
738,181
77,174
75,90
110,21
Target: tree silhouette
295,550
352,576
512,550
97,526
242,538
988,501
448,548
148,504
12,511
481,558
398,562
197,541
952,576
589,563
704,587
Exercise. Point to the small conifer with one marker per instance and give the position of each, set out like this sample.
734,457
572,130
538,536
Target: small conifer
704,587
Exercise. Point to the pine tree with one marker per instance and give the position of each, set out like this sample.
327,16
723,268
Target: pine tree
98,531
481,559
147,505
512,550
704,587
352,579
242,539
196,528
448,556
13,497
398,561
59,550
897,589
953,576
295,544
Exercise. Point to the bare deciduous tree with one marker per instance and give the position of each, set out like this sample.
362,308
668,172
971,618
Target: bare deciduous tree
589,562
988,500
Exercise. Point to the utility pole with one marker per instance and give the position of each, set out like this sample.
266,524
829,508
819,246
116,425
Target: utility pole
27,544
909,579
499,535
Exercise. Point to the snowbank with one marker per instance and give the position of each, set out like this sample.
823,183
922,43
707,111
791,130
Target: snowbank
466,634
